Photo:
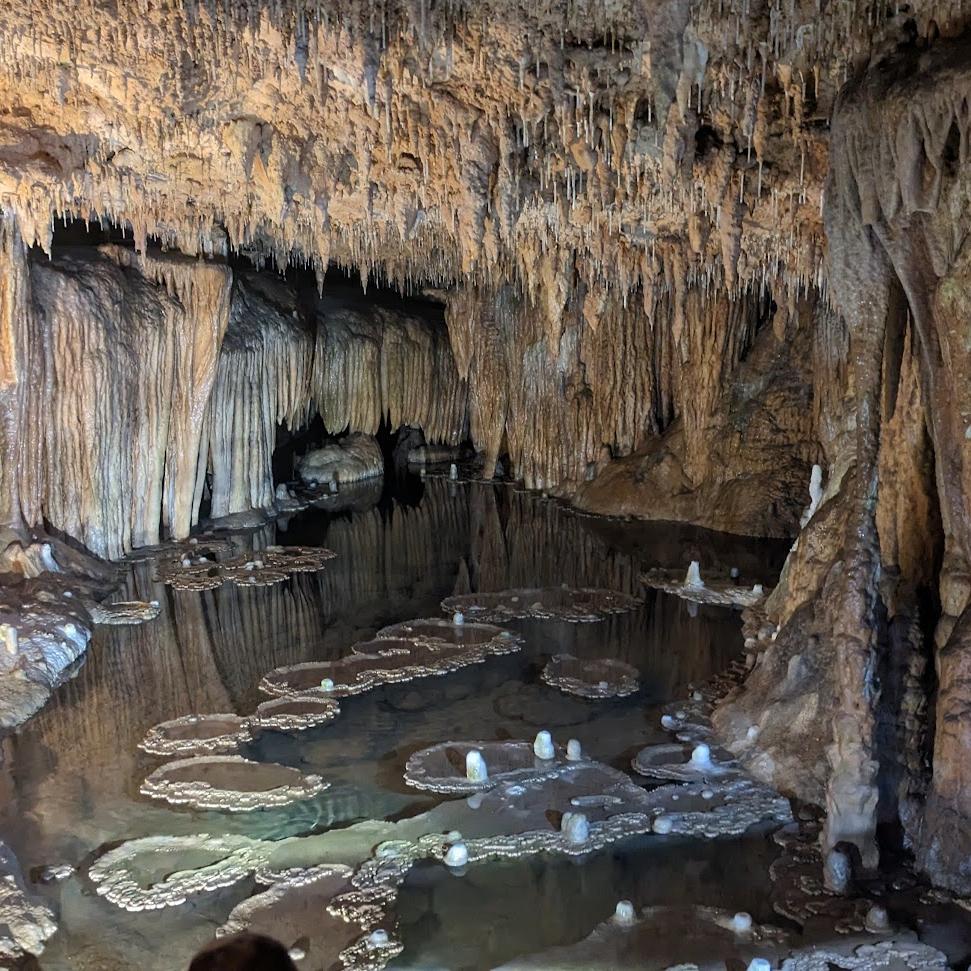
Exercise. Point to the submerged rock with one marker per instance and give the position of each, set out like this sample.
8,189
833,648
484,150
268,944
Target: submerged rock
658,938
294,911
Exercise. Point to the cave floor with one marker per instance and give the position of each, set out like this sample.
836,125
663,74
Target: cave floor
70,777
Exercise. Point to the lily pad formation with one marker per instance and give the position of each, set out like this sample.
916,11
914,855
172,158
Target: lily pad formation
198,568
444,767
592,678
576,605
197,735
293,713
685,763
719,593
229,783
125,612
402,652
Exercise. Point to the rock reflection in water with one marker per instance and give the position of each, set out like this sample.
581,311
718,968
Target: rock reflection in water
70,777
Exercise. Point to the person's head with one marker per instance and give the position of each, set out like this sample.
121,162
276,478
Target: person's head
243,952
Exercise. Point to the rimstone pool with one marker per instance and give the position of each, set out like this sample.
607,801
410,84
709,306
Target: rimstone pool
362,869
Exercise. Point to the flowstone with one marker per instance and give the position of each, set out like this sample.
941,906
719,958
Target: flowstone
577,605
444,767
229,783
196,735
593,678
352,459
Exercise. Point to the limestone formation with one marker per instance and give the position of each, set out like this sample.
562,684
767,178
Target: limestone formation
349,460
673,261
403,652
27,921
550,603
445,767
197,735
229,783
591,677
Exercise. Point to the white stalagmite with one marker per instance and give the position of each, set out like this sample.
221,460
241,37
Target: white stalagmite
543,746
575,827
475,767
693,576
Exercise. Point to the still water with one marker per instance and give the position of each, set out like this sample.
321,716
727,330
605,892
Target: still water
69,780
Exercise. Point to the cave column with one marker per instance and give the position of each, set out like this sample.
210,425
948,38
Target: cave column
19,449
940,302
861,290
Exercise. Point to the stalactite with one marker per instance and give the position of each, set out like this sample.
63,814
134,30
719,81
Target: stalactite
262,381
203,291
19,451
372,364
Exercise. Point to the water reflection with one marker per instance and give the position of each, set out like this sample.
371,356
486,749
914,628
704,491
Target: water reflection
70,777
